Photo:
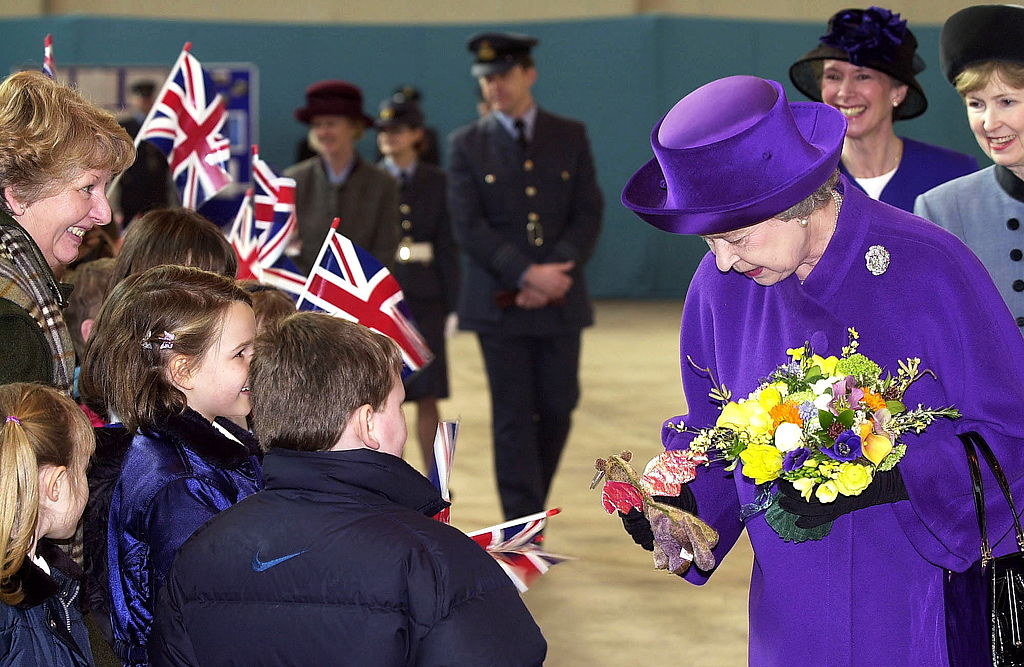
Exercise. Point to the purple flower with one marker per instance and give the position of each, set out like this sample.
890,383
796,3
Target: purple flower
795,458
866,35
845,448
845,394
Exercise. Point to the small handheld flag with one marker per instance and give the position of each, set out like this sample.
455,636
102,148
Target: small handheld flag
185,125
49,64
347,281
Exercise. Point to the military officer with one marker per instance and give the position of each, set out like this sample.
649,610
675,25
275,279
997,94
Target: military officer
426,264
526,210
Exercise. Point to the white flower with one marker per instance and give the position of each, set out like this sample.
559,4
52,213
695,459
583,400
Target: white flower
788,436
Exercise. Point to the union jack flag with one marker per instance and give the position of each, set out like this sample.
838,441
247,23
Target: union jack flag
185,125
441,467
512,545
282,274
259,234
49,64
347,281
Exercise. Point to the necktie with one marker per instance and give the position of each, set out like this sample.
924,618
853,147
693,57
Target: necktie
403,179
520,132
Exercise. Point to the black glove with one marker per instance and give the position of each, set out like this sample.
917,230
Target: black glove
639,528
886,487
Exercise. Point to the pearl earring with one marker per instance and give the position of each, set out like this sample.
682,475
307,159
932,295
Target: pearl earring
804,222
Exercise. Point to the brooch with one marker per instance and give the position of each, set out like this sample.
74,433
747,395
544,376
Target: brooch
877,260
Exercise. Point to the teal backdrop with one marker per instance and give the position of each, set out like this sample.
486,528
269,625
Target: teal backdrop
617,75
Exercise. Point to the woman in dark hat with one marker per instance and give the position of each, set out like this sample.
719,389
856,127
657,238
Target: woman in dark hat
797,254
337,182
865,66
427,263
982,55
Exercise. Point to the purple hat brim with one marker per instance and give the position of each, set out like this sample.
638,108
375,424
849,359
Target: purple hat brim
823,128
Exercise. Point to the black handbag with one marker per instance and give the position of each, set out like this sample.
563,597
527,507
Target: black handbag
985,604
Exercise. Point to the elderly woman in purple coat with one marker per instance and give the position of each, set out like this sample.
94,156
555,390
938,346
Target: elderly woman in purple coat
797,254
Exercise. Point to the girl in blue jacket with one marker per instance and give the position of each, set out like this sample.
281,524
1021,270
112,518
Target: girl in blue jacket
170,356
45,445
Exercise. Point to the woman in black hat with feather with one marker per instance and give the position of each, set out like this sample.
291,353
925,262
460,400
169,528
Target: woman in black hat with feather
865,66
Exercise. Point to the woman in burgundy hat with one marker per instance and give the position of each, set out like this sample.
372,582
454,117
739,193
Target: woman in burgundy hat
798,254
865,66
337,182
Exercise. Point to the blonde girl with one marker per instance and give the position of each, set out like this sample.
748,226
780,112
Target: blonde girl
170,356
45,445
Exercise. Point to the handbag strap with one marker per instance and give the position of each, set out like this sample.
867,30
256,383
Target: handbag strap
970,440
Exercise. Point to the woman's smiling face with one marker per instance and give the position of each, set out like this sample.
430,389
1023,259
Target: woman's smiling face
996,116
59,222
865,96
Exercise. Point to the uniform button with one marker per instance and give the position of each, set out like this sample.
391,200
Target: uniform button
406,225
489,178
532,217
1020,321
528,165
565,176
405,209
531,191
1013,223
1016,254
1018,285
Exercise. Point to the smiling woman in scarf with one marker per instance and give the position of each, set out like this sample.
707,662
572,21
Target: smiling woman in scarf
58,154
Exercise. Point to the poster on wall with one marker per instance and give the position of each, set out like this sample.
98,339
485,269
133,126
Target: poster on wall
238,83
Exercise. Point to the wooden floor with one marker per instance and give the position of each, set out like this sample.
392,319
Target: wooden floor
607,607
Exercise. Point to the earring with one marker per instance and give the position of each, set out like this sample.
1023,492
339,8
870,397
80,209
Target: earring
804,222
895,103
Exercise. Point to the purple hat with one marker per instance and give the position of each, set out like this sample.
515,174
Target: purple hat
733,153
333,98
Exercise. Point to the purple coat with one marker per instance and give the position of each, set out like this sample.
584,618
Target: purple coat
870,593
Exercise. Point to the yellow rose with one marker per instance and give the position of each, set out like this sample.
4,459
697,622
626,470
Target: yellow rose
749,416
826,492
763,463
876,447
769,397
805,486
852,479
827,365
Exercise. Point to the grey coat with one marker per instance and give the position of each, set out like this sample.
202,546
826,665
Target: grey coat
986,211
367,204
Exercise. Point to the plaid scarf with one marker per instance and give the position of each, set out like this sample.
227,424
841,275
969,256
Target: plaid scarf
26,280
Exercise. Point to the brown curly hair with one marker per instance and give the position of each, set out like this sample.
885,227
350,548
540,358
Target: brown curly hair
49,133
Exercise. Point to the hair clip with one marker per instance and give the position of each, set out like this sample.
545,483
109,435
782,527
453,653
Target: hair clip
166,340
12,418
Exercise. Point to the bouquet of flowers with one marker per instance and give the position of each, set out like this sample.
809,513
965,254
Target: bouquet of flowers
824,424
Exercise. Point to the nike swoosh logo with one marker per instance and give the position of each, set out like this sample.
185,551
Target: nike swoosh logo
264,565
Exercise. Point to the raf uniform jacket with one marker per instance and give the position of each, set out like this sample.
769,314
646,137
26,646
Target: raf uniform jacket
424,219
511,208
367,203
986,211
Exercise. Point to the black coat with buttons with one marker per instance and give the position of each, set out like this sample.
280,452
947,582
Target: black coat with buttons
424,219
513,207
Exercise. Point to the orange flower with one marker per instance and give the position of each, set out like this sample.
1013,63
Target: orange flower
785,412
872,400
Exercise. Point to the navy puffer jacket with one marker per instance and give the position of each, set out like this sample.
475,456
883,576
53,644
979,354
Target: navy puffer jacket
337,562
